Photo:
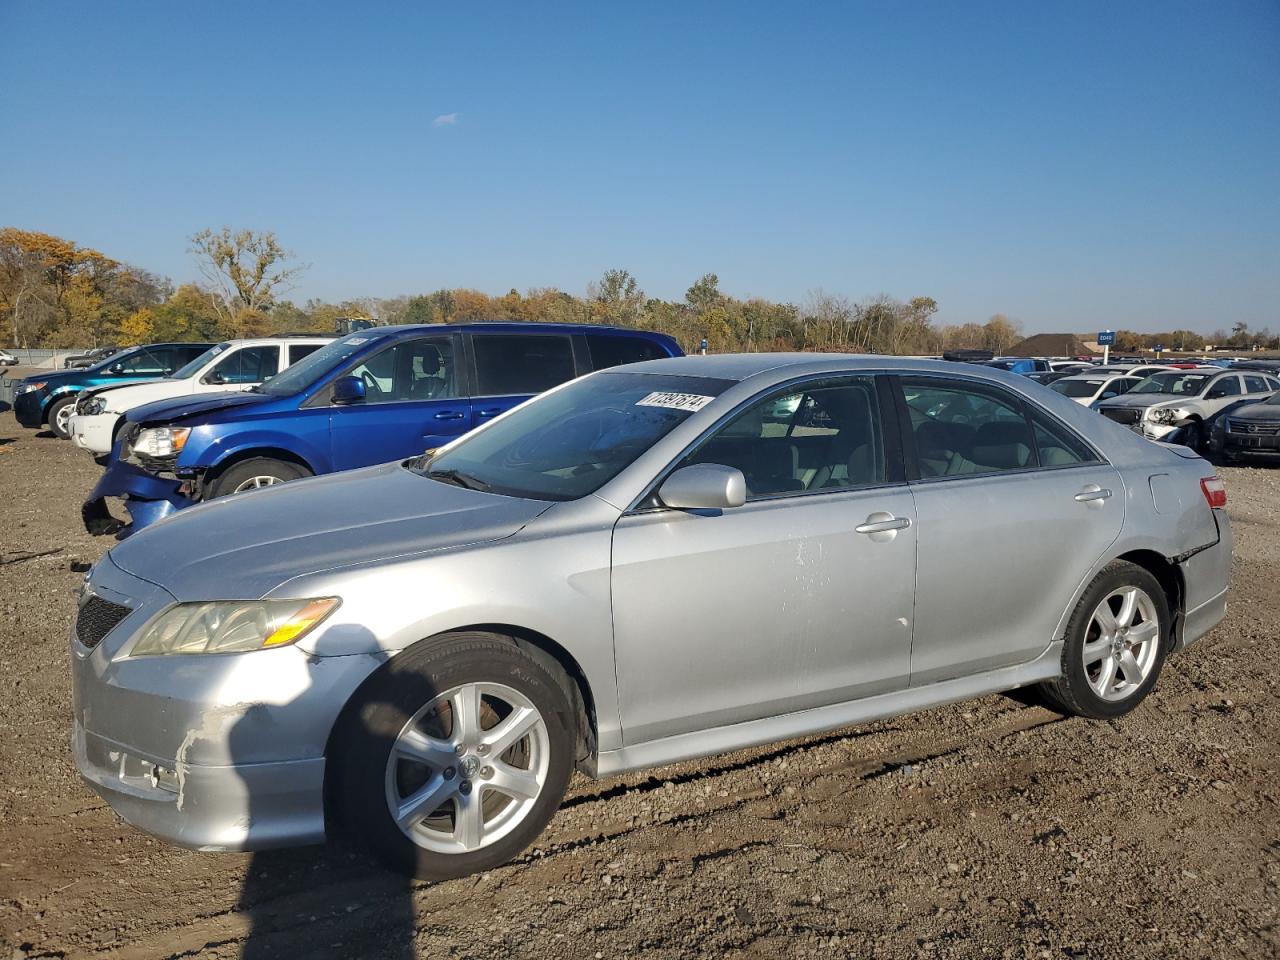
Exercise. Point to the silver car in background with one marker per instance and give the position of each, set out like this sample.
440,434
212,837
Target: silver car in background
649,564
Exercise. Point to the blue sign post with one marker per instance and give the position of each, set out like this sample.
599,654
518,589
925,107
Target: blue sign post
1105,339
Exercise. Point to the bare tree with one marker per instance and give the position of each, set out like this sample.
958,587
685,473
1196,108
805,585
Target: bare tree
245,271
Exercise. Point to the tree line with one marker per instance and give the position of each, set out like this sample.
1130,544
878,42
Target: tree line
55,293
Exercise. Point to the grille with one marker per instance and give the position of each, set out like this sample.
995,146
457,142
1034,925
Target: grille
96,619
1124,415
1255,428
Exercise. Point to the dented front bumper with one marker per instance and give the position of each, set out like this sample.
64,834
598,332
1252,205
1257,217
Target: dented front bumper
147,498
214,752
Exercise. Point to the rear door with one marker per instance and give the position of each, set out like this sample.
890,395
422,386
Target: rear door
800,598
509,368
415,400
1013,508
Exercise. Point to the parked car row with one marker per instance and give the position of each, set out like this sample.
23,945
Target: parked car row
1223,407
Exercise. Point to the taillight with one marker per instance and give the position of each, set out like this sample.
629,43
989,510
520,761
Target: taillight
1215,492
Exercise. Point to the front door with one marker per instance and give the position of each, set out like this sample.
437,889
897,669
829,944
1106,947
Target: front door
800,598
1014,510
414,401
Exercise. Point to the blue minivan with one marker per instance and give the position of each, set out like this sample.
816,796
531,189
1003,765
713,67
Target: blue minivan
372,396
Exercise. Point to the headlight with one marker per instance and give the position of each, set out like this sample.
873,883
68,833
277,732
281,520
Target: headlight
91,406
161,442
1168,415
29,388
231,626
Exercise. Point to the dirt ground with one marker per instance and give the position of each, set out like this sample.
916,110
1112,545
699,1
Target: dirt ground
987,829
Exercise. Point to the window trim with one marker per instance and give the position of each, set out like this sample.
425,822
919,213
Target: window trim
1024,405
473,366
895,475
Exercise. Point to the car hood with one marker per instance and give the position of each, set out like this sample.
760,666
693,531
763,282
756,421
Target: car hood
244,546
1256,411
56,380
123,397
181,408
1143,400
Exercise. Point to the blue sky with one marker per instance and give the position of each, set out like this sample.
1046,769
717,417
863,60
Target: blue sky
1074,165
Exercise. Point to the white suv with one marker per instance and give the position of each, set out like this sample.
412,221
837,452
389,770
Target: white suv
1185,401
231,365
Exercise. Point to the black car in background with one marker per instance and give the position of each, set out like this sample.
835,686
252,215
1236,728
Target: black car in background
1248,430
80,361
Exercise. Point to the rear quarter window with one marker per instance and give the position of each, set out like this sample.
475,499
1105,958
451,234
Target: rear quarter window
607,351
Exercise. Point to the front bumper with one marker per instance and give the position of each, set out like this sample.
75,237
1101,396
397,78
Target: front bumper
218,752
29,409
147,498
92,433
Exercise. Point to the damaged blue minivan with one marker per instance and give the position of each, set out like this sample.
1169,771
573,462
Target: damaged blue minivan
374,396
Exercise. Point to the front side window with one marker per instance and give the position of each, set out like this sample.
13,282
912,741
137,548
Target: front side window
514,364
822,436
410,370
569,443
144,362
248,365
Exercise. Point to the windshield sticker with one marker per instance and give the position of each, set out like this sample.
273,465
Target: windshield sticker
692,402
354,341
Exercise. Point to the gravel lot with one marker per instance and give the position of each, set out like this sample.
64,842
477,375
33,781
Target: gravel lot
992,828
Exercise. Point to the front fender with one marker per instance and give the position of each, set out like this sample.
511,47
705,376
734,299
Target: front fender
210,447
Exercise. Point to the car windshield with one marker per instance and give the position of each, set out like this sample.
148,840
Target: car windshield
305,372
1076,388
1181,384
194,367
568,443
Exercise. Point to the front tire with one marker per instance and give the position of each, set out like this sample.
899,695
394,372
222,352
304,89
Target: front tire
254,473
454,756
1116,643
60,415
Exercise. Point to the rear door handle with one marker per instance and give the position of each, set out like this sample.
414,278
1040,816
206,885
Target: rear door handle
449,415
1092,493
490,413
882,527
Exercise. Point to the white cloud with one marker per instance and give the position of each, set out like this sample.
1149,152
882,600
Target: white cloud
445,120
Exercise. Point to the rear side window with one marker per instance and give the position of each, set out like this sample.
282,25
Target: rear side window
1058,447
1255,385
521,363
607,351
299,350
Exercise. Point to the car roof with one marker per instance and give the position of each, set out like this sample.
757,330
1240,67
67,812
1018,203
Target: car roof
1102,375
506,326
743,366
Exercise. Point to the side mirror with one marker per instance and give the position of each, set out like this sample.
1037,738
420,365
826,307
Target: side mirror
1109,395
1217,393
116,368
348,390
214,377
704,486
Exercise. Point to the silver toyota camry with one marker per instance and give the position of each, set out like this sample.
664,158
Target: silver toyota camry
652,563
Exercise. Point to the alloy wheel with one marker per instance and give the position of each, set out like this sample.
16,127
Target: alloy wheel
467,768
253,483
1122,643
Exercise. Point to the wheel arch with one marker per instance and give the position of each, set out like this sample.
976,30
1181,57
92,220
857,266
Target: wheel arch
1169,574
253,453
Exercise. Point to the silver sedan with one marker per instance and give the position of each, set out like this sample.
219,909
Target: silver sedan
652,563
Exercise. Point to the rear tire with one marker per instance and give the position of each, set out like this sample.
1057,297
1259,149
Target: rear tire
59,413
254,473
1116,643
468,794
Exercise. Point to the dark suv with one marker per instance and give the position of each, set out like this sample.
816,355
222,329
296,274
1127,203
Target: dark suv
370,397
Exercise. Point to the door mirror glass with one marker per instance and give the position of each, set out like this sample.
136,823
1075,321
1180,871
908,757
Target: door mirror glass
348,390
704,486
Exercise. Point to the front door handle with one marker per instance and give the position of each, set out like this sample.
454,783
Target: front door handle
1093,494
449,415
882,527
